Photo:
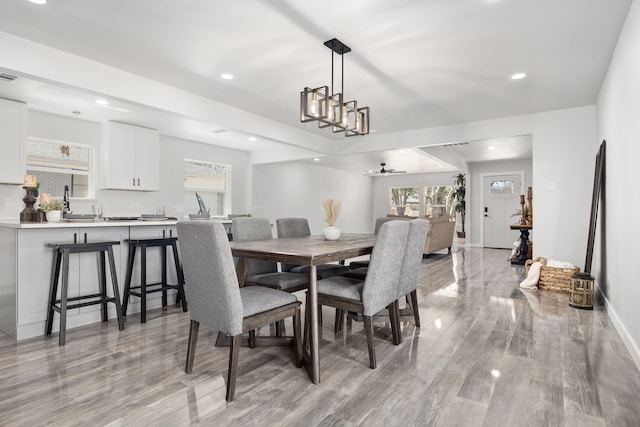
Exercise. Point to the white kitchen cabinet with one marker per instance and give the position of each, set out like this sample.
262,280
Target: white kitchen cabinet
35,260
13,131
130,157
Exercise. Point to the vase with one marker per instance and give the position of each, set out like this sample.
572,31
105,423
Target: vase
54,216
331,233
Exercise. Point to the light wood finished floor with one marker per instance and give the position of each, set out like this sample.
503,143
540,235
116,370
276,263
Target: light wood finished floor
486,355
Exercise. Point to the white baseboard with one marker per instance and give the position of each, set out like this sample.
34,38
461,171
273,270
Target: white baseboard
632,346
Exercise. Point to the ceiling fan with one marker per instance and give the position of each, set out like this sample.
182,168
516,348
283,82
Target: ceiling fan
384,171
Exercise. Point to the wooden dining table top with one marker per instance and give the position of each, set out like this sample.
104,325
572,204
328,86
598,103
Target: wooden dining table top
309,250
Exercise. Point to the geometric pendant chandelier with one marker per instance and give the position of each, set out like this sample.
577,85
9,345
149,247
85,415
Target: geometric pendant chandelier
329,108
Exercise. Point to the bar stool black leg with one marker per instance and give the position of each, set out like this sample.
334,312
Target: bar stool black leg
116,292
180,274
63,298
163,249
127,281
143,284
53,290
102,280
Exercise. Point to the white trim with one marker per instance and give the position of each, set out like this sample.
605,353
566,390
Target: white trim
632,346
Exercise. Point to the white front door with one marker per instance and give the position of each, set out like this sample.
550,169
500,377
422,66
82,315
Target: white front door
501,200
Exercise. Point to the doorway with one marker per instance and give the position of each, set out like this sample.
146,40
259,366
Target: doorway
501,200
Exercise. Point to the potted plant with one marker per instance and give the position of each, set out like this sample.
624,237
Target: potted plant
53,210
459,197
331,209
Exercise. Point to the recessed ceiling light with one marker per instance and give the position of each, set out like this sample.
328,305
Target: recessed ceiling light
316,159
102,102
491,147
518,76
252,138
38,1
226,76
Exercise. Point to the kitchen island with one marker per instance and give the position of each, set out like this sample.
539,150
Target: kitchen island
26,263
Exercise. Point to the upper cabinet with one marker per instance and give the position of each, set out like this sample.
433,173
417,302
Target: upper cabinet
13,132
130,157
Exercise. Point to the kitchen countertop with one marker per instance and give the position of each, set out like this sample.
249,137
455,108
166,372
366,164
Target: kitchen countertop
76,224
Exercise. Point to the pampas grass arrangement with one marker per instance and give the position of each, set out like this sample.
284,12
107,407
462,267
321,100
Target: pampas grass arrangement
331,210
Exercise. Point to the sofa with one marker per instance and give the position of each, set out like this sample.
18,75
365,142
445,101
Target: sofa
440,235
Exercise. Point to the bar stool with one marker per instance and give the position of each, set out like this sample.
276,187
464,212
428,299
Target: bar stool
146,288
61,260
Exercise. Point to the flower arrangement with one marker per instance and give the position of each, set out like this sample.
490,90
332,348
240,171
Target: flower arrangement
331,210
52,205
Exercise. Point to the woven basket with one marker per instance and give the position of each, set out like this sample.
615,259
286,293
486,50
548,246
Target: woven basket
551,278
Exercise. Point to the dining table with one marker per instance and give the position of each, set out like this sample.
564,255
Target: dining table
312,251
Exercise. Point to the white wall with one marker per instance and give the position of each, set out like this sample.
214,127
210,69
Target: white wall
133,203
616,239
475,203
295,189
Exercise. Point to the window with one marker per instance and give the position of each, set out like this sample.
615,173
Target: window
435,201
58,164
212,182
405,200
439,201
502,187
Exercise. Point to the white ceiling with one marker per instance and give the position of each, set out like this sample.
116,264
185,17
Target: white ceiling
415,63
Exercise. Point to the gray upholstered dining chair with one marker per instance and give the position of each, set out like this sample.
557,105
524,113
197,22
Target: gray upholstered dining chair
265,273
354,265
216,300
299,227
380,288
412,260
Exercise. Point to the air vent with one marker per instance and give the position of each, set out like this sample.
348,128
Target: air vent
455,144
219,131
7,77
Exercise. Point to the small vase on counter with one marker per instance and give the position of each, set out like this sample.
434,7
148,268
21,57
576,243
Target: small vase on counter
331,233
54,216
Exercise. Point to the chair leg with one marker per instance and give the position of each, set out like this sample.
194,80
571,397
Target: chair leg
339,320
252,338
233,367
281,329
297,342
368,328
394,319
414,307
191,347
307,323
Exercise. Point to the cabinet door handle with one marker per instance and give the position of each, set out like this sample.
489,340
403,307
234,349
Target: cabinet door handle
134,182
85,237
138,182
75,237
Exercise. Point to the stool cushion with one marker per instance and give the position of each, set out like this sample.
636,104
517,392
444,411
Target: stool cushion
257,299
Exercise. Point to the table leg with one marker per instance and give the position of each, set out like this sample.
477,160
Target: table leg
313,309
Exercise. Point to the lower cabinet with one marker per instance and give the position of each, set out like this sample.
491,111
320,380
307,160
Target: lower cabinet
35,265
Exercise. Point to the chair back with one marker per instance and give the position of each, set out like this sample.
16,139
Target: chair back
213,292
292,227
381,283
417,238
250,228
